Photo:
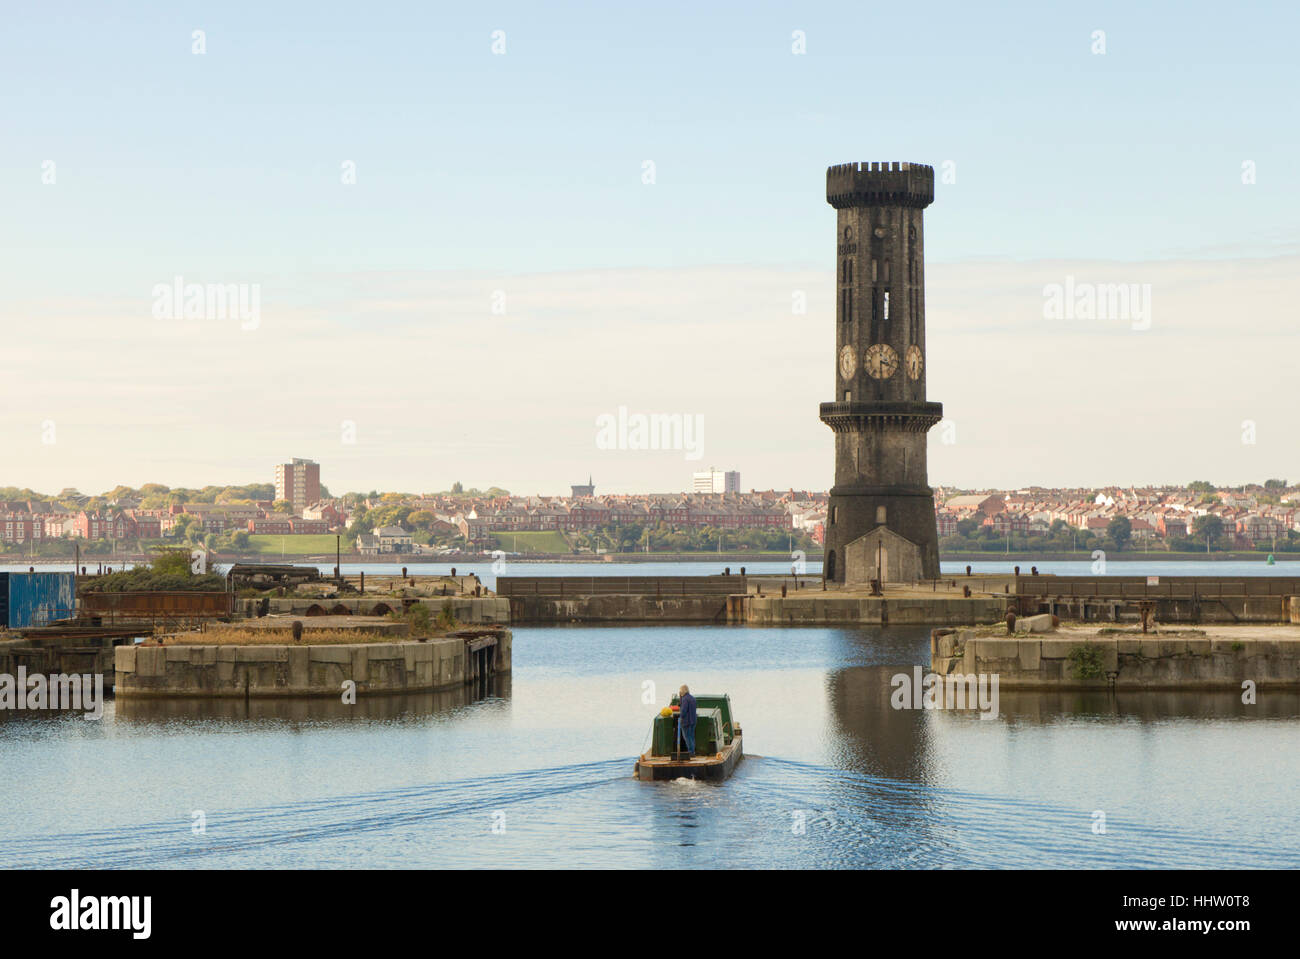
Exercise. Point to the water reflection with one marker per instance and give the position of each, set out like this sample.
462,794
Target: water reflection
1029,706
313,709
873,737
870,735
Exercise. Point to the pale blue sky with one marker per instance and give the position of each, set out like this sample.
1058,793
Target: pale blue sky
225,167
532,160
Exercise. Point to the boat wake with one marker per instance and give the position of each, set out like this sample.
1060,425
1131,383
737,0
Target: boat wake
314,820
873,821
773,813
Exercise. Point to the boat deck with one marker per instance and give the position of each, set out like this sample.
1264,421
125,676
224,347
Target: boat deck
713,767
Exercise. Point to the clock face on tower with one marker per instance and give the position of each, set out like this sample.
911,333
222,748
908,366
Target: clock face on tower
915,362
848,362
881,361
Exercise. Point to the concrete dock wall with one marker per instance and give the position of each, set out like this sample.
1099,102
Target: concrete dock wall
308,709
618,608
1129,662
1176,599
52,658
757,600
754,610
486,610
572,587
832,610
293,670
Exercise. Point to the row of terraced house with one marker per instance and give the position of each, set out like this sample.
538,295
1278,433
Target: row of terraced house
1154,515
681,511
23,522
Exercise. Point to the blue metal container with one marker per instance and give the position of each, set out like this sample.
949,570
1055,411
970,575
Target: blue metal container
34,599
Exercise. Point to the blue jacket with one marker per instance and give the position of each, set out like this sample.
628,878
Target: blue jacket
687,715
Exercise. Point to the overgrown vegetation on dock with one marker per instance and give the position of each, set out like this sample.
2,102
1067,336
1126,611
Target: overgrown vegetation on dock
1085,661
169,570
237,636
421,621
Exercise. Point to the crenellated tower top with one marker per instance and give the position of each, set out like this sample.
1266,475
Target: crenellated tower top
875,184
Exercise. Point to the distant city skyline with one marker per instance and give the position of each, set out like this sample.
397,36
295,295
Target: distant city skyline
454,252
577,491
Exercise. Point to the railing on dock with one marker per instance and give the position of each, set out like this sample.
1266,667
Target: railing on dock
573,587
1157,587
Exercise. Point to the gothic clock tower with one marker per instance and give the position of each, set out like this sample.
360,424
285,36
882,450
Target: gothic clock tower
880,523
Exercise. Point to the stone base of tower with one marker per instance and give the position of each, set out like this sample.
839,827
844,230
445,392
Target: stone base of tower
881,554
892,529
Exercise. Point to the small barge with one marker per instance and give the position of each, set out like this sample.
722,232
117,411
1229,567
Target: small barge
717,743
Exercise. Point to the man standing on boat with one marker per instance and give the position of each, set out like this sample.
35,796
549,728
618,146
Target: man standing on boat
686,720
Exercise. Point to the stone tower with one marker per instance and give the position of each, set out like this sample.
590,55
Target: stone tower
881,517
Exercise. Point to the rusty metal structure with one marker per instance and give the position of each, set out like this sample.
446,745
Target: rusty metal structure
164,608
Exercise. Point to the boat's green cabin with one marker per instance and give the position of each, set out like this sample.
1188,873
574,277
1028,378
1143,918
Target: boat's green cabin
714,726
720,701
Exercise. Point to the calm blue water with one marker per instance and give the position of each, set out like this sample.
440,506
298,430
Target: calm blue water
1184,780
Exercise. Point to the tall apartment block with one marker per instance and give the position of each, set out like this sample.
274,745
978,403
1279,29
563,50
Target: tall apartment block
716,481
298,482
